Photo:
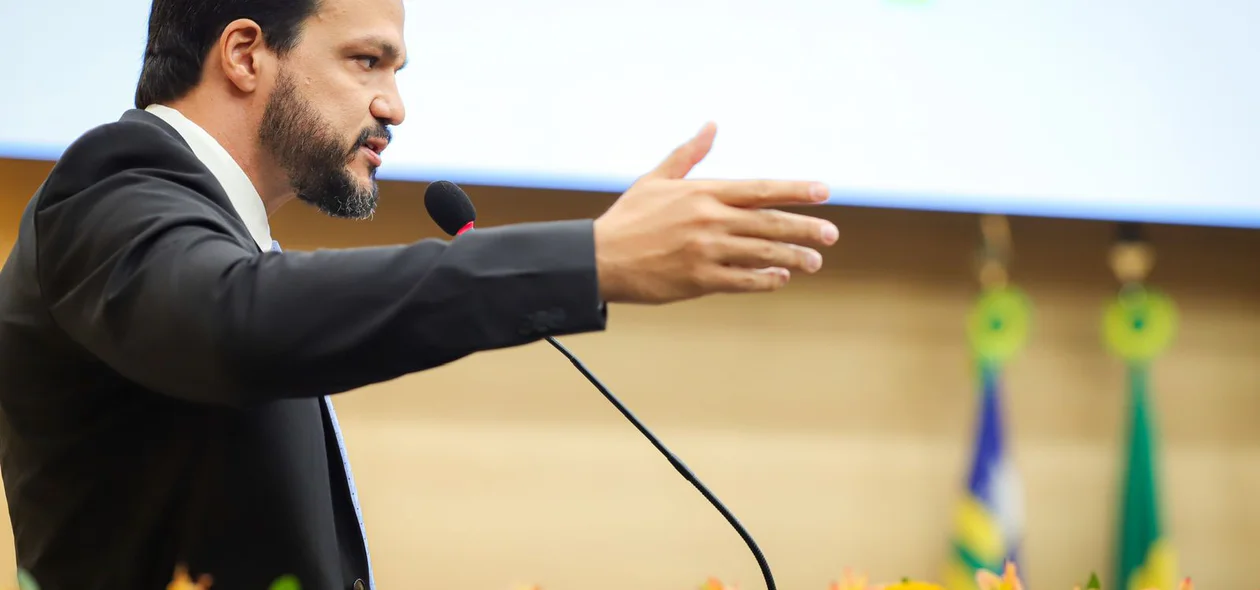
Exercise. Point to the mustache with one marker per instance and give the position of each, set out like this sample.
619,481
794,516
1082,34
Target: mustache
378,132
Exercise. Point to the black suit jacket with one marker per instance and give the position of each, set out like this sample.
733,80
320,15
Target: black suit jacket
161,376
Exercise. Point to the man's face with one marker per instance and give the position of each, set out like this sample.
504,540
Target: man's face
325,122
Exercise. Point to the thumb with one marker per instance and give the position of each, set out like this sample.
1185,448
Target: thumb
686,156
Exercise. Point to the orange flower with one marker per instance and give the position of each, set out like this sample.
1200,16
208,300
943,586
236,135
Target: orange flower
987,580
850,581
183,582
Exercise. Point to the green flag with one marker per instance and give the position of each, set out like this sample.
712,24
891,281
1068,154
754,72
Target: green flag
1139,325
1146,559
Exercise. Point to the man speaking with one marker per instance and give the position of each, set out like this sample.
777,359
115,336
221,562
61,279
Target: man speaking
165,367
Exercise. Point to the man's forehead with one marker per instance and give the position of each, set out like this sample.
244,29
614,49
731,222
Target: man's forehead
378,20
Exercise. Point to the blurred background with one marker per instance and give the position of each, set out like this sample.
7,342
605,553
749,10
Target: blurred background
840,418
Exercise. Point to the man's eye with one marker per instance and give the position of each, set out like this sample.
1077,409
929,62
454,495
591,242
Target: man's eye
368,61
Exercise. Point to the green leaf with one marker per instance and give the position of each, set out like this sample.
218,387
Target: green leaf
26,581
1093,582
286,582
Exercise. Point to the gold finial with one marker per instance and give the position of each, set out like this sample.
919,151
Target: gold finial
993,274
1132,257
995,251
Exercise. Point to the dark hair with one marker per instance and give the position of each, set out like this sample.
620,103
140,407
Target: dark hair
182,32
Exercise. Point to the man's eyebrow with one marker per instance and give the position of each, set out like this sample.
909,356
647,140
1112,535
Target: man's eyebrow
386,47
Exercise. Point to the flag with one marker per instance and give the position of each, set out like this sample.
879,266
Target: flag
989,520
1139,325
1146,559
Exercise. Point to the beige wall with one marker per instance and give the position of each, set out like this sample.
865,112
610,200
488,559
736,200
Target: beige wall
833,417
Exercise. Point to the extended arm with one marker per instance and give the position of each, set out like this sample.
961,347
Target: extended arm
142,270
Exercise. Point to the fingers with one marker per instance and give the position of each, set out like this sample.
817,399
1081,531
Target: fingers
685,157
751,253
765,193
761,251
730,279
780,226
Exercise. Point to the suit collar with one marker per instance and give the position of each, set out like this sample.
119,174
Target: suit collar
239,189
151,119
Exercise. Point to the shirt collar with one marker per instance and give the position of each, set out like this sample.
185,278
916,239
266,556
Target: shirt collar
236,184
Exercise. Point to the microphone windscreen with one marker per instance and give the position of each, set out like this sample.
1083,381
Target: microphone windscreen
449,206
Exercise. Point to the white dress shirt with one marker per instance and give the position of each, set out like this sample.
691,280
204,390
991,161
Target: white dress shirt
240,190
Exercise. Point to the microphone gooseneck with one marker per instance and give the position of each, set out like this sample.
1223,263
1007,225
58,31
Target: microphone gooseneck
452,210
675,461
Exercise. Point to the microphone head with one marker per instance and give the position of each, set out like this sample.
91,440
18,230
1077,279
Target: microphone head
449,206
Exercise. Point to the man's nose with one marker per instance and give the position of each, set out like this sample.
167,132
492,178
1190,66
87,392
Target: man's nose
389,109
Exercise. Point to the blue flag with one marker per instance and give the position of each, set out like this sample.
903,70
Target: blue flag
989,520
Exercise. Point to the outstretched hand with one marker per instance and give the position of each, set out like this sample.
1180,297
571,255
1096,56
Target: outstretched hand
668,239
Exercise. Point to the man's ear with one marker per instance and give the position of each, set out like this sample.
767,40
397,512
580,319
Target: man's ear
243,54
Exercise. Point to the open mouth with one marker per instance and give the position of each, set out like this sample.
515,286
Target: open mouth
373,148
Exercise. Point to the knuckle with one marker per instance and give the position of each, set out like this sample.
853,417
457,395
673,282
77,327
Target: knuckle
764,189
710,214
794,227
757,281
787,255
697,282
776,224
807,231
804,191
805,259
697,194
702,245
771,253
785,224
731,280
710,281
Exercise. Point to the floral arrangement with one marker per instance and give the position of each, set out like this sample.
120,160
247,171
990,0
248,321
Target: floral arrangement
182,580
985,580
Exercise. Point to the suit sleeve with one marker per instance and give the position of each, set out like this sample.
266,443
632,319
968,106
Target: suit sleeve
141,271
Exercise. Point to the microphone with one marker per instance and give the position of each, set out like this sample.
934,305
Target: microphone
453,211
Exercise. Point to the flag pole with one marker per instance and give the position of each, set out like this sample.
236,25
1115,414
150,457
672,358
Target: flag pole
988,521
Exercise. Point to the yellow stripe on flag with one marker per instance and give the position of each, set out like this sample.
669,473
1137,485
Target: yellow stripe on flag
1158,570
978,531
959,575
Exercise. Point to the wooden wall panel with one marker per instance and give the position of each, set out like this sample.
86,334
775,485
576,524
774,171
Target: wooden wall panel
833,417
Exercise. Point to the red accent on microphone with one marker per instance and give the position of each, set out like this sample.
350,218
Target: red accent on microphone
467,226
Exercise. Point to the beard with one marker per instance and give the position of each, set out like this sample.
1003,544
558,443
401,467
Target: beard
316,161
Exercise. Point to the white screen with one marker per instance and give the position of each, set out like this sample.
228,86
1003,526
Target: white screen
1118,109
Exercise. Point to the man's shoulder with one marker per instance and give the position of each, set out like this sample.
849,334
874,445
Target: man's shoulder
136,139
138,147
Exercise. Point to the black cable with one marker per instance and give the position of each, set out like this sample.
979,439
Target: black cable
673,460
452,210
